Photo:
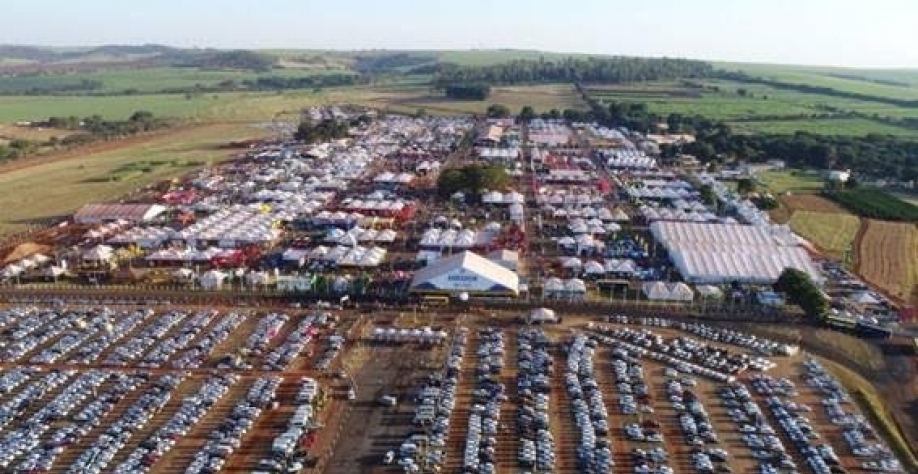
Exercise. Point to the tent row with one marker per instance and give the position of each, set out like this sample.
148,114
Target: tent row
592,226
232,226
662,291
358,234
556,287
667,214
388,177
452,238
355,256
658,193
495,197
29,263
381,205
594,267
572,199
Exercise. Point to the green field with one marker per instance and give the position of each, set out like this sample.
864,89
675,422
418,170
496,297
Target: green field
894,83
148,79
780,182
29,193
758,108
832,232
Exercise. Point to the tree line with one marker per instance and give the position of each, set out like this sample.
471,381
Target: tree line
570,69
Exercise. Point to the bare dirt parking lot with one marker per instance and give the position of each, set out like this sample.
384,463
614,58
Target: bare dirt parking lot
191,390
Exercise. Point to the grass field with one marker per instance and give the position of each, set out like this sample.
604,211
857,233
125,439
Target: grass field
58,187
833,233
761,108
895,83
794,181
148,79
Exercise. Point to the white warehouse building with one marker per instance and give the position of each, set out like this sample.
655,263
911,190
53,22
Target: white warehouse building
725,253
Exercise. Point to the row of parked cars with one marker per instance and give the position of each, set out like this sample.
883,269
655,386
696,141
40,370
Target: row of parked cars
793,419
537,446
282,356
594,448
224,440
193,408
610,337
861,438
97,457
77,410
193,357
137,346
484,419
160,355
756,431
690,350
759,345
33,331
24,438
436,401
112,327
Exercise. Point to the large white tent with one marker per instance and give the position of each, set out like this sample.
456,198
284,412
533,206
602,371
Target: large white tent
466,272
724,253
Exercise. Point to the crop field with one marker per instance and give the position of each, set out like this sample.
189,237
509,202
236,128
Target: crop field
833,233
760,108
600,388
894,83
409,99
793,181
89,175
876,204
888,257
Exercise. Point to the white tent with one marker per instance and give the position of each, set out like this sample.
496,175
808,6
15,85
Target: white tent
212,279
593,268
571,263
466,272
542,315
575,286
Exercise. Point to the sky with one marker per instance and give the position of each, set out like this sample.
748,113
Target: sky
855,33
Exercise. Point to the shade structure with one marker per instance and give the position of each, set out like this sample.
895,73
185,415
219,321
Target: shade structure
706,253
466,272
660,291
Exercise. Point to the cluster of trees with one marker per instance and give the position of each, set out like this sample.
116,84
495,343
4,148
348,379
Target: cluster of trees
89,130
874,204
283,83
322,131
467,91
392,62
498,111
472,179
803,292
236,59
572,69
740,76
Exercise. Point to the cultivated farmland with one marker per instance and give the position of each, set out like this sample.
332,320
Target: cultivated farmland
876,204
832,232
887,257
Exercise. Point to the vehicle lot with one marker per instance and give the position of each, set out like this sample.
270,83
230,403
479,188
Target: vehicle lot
139,390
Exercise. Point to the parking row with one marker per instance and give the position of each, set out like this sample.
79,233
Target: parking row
484,418
594,449
193,408
195,356
534,362
228,436
100,454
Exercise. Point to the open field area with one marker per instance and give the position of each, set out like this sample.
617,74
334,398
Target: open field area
281,375
887,256
151,79
57,186
760,108
833,233
792,181
894,83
